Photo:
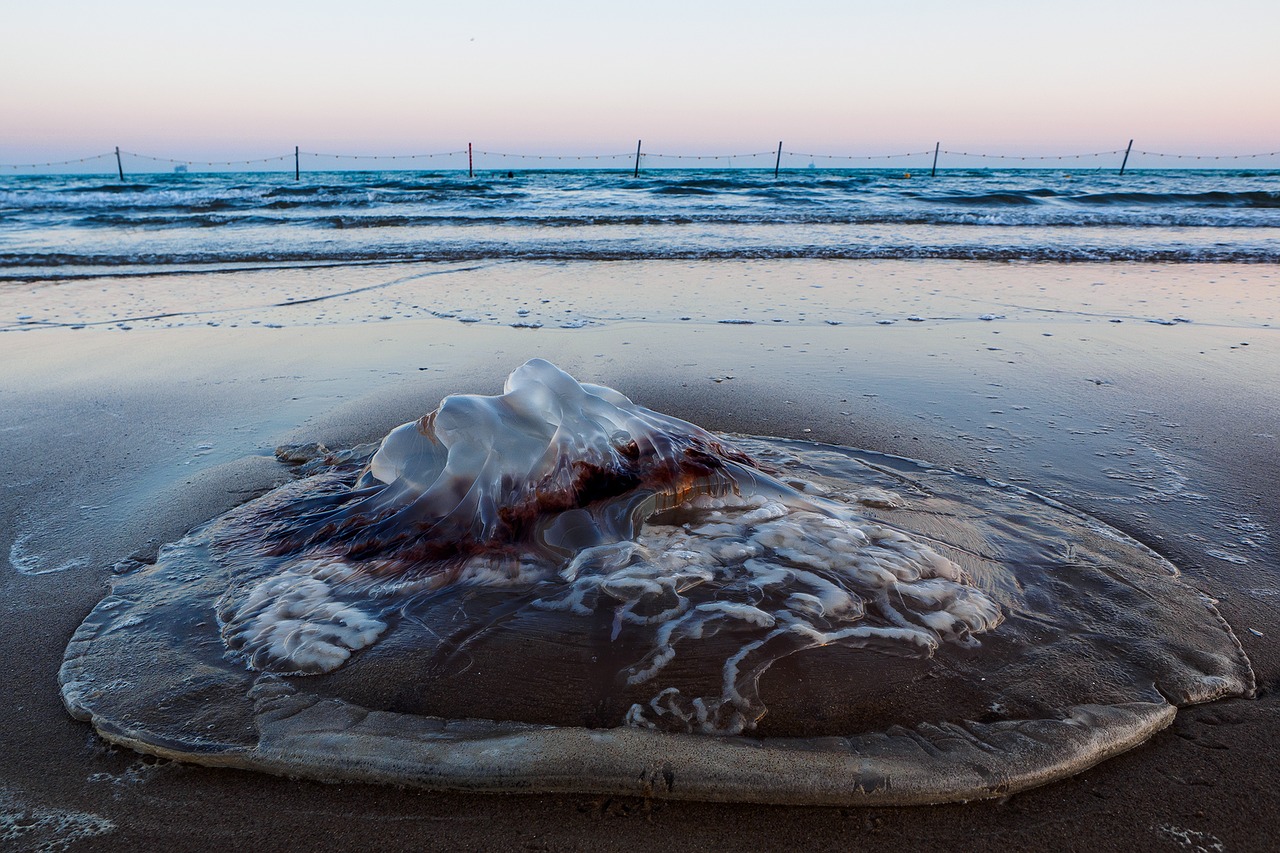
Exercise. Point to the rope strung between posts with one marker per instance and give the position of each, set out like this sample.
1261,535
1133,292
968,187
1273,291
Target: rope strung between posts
206,162
710,156
383,156
61,162
626,156
1210,156
1034,156
631,156
855,156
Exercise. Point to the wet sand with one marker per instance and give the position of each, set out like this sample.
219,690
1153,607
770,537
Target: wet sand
117,440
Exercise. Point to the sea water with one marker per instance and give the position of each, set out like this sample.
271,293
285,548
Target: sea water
67,226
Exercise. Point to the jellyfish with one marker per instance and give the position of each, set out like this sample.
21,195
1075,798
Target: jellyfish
555,589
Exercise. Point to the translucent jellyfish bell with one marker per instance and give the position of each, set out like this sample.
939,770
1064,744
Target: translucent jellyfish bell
556,589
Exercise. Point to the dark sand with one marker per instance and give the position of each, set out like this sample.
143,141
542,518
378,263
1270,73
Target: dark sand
116,441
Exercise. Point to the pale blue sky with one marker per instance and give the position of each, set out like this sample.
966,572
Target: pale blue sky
241,79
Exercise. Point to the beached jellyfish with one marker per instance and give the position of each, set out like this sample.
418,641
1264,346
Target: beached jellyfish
555,589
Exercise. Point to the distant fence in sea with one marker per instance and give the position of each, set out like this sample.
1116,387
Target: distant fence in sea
466,159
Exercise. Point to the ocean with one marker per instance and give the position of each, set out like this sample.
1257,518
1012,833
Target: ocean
73,226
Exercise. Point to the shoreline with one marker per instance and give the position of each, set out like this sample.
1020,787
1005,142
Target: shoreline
564,294
121,441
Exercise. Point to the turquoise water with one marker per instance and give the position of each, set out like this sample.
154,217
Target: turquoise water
58,226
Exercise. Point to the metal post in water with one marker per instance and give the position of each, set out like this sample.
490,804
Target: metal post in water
119,165
637,173
933,173
1125,162
777,164
471,169
297,168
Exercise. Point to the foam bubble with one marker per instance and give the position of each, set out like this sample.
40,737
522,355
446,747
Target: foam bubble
33,827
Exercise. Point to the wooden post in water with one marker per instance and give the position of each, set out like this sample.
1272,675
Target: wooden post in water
933,173
777,164
119,165
297,168
471,167
1125,162
637,172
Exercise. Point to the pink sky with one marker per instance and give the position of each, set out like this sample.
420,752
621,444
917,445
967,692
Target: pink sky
240,79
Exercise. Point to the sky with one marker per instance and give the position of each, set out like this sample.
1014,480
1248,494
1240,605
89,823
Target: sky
237,79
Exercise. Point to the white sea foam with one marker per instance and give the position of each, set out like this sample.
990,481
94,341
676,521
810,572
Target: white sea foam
24,826
29,561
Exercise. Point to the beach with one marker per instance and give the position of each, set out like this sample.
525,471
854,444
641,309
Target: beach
135,407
